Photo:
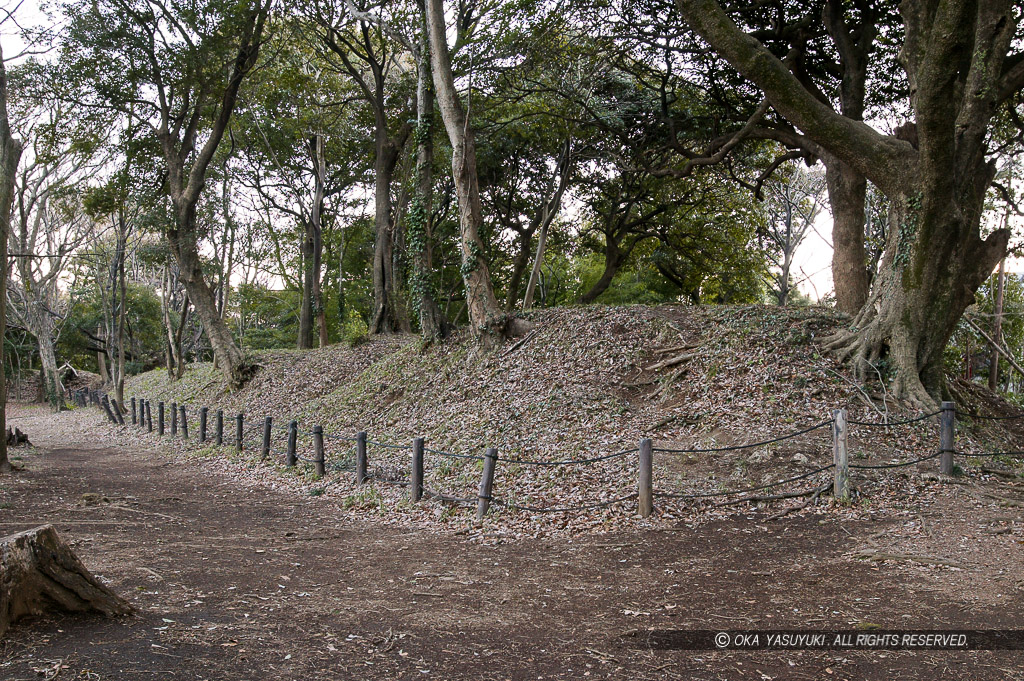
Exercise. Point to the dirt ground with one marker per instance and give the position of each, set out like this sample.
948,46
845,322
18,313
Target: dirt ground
250,583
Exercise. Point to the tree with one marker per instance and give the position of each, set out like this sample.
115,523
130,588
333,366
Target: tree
10,155
792,200
178,71
487,319
958,61
365,49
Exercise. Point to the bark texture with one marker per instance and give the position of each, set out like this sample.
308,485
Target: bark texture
488,321
40,573
10,155
934,171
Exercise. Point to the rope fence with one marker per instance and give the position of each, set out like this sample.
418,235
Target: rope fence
268,437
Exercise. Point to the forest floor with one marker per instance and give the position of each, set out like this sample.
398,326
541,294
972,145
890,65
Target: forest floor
237,580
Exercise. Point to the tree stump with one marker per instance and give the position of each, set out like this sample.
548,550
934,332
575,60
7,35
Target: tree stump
16,437
40,573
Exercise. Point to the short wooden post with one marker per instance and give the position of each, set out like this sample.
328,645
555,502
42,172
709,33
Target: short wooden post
841,456
135,420
174,418
293,435
947,425
416,479
238,432
318,451
218,429
184,423
160,418
105,403
483,496
203,413
645,490
149,417
118,416
360,457
268,423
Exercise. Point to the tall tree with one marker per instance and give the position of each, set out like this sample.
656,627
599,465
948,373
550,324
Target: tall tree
793,201
362,46
181,66
10,155
959,61
489,322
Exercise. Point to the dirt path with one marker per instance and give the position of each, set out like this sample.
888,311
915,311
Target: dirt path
233,583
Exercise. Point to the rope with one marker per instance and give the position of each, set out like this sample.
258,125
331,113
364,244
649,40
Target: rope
430,494
454,456
387,446
747,446
703,495
563,509
869,424
992,454
895,465
570,461
344,438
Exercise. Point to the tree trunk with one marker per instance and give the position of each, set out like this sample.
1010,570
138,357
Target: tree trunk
433,324
39,572
538,262
101,358
178,341
122,247
564,165
387,314
488,321
320,158
306,310
932,265
847,190
10,155
613,259
934,170
997,332
53,391
519,264
227,354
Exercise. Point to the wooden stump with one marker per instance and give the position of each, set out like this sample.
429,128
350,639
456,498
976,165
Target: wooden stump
39,572
16,437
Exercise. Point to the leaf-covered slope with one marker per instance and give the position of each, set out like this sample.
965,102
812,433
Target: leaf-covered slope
581,383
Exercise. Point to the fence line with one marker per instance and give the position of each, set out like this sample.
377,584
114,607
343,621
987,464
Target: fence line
262,433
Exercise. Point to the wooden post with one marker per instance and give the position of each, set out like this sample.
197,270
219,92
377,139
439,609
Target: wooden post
841,456
184,423
118,416
483,497
174,418
318,451
238,432
203,412
149,417
360,457
105,403
947,425
135,421
218,430
293,435
416,479
645,490
268,423
160,418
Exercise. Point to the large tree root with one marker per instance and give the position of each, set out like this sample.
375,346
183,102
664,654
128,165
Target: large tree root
39,573
864,344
